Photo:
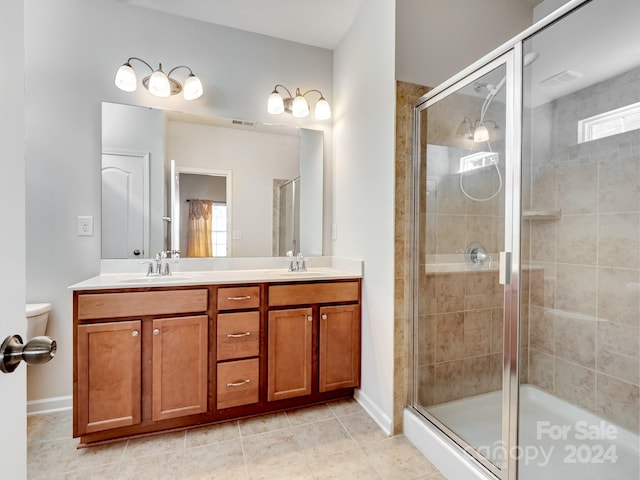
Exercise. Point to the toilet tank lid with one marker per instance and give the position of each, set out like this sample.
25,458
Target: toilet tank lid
33,309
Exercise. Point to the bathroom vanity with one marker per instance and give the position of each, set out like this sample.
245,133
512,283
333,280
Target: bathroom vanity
159,354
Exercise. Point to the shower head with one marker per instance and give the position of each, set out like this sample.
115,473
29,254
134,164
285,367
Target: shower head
529,58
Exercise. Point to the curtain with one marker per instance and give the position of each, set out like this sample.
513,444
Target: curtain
199,234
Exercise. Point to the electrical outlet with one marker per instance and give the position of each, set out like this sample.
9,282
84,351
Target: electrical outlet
334,232
85,226
237,234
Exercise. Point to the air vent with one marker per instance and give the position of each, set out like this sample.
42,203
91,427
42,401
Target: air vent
562,78
244,123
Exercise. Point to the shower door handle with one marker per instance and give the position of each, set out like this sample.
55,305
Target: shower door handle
505,268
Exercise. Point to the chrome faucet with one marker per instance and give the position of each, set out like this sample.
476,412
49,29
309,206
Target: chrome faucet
297,263
160,265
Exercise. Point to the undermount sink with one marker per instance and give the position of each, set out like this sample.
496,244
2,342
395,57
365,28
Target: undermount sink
286,273
157,278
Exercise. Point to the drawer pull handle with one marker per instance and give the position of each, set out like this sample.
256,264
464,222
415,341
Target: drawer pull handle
236,299
324,316
134,333
239,384
310,318
238,335
156,331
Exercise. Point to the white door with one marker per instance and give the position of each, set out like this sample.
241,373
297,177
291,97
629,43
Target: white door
13,389
125,206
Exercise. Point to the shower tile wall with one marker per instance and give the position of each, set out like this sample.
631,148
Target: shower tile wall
584,330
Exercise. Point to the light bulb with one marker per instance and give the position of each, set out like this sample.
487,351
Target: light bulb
323,110
192,88
275,104
481,134
159,83
126,78
300,107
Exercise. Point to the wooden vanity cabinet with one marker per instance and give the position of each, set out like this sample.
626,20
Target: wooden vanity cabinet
152,359
320,341
123,351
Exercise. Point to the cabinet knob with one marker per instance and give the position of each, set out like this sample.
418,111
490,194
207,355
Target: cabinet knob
134,333
156,331
324,316
310,318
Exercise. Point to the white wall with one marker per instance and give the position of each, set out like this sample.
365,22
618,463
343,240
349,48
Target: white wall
364,171
436,39
72,51
255,159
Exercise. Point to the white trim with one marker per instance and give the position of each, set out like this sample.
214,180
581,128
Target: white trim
586,125
381,418
49,405
229,195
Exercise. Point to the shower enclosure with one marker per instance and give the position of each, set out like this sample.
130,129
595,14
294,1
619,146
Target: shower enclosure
526,311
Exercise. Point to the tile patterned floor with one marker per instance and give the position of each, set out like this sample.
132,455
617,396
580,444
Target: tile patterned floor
337,440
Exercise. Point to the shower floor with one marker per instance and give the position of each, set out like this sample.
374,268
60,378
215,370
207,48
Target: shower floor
557,439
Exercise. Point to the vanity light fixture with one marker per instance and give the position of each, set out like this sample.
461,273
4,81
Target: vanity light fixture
478,132
158,83
297,105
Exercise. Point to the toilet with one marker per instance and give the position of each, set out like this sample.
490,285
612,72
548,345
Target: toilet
37,318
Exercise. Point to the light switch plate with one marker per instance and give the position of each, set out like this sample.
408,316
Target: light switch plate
85,226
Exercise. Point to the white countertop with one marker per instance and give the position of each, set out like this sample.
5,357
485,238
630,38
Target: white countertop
335,269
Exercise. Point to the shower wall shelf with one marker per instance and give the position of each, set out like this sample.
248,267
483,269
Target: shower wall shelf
550,214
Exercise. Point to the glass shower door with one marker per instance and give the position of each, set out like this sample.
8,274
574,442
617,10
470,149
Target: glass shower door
462,150
580,375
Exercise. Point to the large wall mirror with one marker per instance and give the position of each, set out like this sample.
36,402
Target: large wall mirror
208,186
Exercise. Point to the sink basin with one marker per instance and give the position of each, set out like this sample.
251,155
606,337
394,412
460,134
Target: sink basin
285,273
157,278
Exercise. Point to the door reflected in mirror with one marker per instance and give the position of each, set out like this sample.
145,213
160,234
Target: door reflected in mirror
271,201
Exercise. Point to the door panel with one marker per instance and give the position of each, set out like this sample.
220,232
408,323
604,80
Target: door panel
180,347
125,206
109,376
463,163
289,353
339,347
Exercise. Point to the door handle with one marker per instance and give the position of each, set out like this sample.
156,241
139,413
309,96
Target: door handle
36,351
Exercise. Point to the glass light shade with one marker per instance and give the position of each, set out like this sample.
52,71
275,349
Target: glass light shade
192,88
323,110
300,107
159,84
480,134
275,104
126,78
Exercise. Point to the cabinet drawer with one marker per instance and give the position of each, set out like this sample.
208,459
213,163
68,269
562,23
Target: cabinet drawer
135,304
238,383
236,298
238,335
281,295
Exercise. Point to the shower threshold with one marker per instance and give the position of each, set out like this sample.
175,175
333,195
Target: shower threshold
558,440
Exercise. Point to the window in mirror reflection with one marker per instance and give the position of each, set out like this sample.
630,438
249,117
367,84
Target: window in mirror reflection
207,229
219,229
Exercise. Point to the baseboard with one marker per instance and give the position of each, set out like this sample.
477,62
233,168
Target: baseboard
383,421
49,405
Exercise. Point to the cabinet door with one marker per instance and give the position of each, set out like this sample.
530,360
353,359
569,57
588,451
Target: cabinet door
108,376
179,366
289,353
339,347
